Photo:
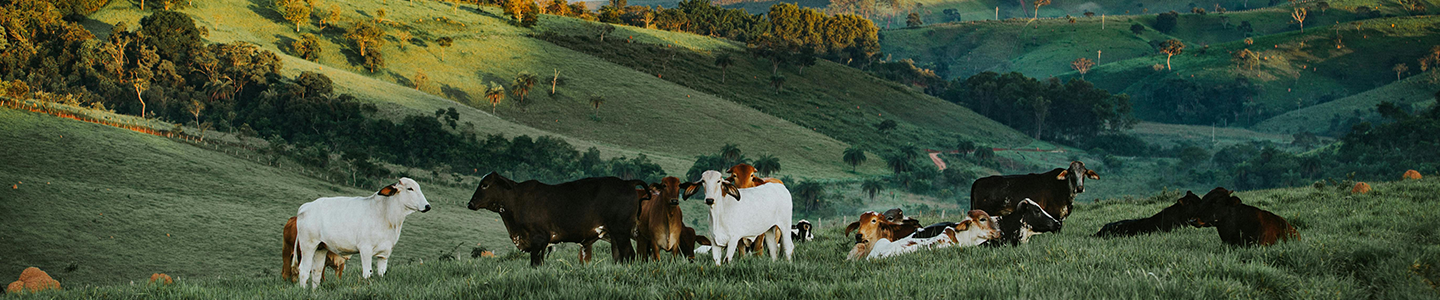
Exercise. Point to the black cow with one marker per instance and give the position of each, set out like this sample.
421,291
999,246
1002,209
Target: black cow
1055,191
581,211
1027,219
1177,215
801,232
1239,224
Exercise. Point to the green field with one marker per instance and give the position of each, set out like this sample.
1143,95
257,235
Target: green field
1415,90
223,214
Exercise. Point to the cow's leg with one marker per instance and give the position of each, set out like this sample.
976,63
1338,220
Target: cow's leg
715,250
620,247
538,246
772,242
317,271
366,254
382,261
306,252
643,247
730,251
586,250
787,243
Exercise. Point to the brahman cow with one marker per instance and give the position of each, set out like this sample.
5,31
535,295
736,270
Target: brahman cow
369,226
658,227
972,231
873,227
1055,191
1240,224
737,213
582,211
1027,219
287,253
1176,215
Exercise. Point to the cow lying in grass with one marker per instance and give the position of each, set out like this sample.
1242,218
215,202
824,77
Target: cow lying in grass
1177,215
1028,219
1240,224
974,230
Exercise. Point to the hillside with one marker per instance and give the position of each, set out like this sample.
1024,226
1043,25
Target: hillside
487,49
1330,116
1377,245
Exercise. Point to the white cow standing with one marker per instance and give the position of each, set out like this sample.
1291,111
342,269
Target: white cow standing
369,226
746,213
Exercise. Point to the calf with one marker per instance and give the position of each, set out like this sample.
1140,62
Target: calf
1240,224
369,226
1054,191
658,227
800,232
1027,219
973,231
737,214
688,240
873,227
287,254
582,211
1177,215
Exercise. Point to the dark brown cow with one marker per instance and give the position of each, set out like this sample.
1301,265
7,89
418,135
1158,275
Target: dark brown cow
290,271
1177,215
659,227
581,211
1054,191
1240,224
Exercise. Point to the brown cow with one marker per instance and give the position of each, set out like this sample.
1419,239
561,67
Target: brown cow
1055,191
658,226
1240,224
741,171
872,227
290,271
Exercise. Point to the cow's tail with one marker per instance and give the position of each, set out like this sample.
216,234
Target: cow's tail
295,259
643,186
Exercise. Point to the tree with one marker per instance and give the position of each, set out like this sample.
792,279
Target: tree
605,29
380,15
1171,48
872,187
1082,65
1400,68
854,156
596,101
521,86
307,48
886,126
897,163
1041,108
965,147
952,14
1137,28
767,164
558,7
495,93
1299,15
444,43
366,36
724,61
1323,6
731,154
1430,63
295,11
913,20
421,80
403,37
777,81
1165,22
1245,27
1245,58
329,16
1038,4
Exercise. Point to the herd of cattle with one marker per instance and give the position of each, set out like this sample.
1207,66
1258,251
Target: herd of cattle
747,214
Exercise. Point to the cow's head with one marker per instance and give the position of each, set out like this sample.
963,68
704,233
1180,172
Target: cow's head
895,214
804,229
872,226
742,175
1034,217
669,189
716,188
1213,207
408,193
980,222
493,189
1076,175
1184,209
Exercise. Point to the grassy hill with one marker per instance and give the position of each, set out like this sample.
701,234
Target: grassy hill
1377,245
1415,90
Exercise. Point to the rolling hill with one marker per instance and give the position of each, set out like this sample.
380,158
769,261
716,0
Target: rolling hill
1415,90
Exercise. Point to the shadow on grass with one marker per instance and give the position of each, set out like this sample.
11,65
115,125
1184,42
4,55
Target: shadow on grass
284,42
265,8
455,93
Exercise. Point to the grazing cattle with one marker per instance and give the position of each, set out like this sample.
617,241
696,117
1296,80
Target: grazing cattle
1054,191
737,213
1028,219
800,232
582,211
368,226
873,227
743,176
1177,215
1240,224
974,230
287,252
659,228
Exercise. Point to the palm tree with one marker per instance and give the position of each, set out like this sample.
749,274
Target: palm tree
777,81
871,187
810,193
521,86
724,61
909,152
495,93
854,156
731,153
898,163
596,101
767,164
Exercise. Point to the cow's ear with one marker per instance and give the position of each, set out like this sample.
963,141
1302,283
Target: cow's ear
1062,175
690,188
964,225
1233,201
1091,174
388,191
852,227
731,190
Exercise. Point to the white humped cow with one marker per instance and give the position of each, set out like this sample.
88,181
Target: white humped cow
737,213
369,226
